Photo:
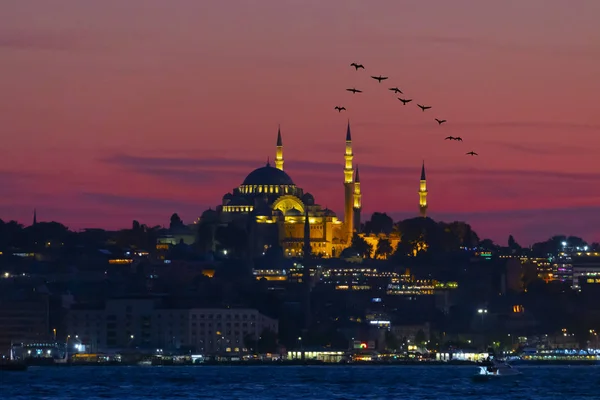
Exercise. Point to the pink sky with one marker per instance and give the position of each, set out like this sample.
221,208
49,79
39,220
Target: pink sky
120,110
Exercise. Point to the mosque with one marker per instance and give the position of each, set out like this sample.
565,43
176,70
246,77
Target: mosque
274,209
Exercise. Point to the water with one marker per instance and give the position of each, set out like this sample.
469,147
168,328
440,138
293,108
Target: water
295,382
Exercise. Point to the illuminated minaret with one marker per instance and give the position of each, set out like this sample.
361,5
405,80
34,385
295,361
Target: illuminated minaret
423,193
307,253
357,201
348,186
279,154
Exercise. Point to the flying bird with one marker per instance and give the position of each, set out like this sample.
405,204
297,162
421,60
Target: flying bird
379,78
440,121
424,107
404,101
450,138
395,90
471,153
353,90
458,138
357,66
340,109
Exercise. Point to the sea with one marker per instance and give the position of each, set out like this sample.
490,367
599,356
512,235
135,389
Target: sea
296,382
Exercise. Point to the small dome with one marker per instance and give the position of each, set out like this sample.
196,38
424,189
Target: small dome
209,215
293,212
308,199
228,196
268,175
328,213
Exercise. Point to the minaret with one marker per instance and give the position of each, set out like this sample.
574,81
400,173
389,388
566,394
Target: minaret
279,154
34,217
423,193
357,201
348,186
306,280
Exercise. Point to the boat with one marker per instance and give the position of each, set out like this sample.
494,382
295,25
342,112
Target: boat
494,370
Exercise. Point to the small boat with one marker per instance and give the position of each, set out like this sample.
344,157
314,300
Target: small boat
494,370
13,366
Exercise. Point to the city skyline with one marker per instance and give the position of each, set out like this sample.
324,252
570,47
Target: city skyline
115,112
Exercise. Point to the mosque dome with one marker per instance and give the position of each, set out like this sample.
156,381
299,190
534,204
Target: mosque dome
308,199
227,196
293,212
268,175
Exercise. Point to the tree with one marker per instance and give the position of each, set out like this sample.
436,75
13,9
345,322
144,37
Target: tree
135,225
176,222
361,246
458,234
205,237
420,338
379,223
391,341
232,238
384,248
487,245
512,244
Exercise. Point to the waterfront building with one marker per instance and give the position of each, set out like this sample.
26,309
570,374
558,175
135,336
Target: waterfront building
148,323
24,316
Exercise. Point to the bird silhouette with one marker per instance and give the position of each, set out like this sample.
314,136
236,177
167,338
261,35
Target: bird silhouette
471,153
379,78
440,121
450,138
357,66
340,109
458,138
424,107
395,90
404,101
353,90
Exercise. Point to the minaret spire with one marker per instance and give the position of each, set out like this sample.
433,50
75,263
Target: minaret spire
279,152
348,187
348,135
34,216
423,192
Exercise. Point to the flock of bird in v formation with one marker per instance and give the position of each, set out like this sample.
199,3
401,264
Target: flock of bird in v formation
404,102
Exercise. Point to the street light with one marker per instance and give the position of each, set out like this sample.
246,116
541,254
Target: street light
482,312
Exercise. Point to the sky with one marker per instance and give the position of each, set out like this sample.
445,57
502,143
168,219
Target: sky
119,110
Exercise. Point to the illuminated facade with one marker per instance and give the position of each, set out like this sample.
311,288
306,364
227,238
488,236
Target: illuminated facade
357,202
423,193
407,285
274,209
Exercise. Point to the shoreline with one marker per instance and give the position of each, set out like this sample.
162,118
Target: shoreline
314,363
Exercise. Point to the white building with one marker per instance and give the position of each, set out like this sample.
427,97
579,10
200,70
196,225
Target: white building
145,323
